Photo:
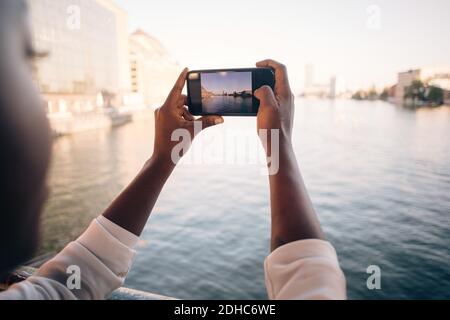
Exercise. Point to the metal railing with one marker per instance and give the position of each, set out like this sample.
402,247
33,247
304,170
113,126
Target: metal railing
120,294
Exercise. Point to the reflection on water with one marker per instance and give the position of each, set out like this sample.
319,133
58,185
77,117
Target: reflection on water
379,177
227,104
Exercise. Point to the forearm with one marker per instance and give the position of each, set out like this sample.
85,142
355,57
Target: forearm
132,207
293,215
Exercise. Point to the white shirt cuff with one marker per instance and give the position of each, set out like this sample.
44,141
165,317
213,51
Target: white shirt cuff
305,270
126,237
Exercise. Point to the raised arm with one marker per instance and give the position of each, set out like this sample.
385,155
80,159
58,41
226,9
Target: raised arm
302,265
104,252
133,206
293,216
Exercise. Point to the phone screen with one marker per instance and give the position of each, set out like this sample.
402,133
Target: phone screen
226,92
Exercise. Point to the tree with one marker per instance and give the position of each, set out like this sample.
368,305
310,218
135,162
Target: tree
416,91
385,94
372,94
435,95
359,95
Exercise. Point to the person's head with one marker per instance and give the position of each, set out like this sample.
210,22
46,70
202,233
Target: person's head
25,140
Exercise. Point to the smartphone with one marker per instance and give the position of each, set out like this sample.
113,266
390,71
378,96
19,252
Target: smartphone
227,92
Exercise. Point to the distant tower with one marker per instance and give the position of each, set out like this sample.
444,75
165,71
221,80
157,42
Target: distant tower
333,88
309,76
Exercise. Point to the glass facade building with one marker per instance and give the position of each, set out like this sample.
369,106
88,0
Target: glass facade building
88,54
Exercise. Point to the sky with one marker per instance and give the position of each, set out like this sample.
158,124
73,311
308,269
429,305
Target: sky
229,82
362,42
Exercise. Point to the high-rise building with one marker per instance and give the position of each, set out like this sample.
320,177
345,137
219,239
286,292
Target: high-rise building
122,39
87,44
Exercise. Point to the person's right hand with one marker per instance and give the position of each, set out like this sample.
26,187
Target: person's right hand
276,109
174,115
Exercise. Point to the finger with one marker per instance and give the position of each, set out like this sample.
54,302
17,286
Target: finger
181,106
210,121
175,93
187,115
182,101
266,97
281,75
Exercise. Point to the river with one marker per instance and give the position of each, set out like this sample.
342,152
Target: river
227,104
379,177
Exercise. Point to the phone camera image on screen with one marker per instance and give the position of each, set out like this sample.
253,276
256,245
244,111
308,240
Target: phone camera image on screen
226,92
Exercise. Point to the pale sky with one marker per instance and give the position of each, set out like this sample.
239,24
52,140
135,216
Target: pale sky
342,38
228,82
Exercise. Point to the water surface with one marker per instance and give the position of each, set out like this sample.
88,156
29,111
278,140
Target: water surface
379,177
227,104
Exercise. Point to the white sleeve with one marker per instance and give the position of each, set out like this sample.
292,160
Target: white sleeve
305,270
103,254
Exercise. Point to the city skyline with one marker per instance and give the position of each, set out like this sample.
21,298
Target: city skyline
363,43
227,82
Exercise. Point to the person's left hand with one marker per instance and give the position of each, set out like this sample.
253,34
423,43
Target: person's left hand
174,115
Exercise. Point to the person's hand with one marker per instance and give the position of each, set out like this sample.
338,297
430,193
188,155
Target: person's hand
174,115
276,109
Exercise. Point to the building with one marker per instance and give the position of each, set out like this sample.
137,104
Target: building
435,76
392,92
447,97
122,39
87,67
405,79
153,72
309,76
313,89
439,77
332,93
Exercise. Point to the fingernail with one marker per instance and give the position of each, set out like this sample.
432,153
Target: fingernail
218,121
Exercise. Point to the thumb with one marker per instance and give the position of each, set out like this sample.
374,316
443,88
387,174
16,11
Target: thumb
266,96
209,121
